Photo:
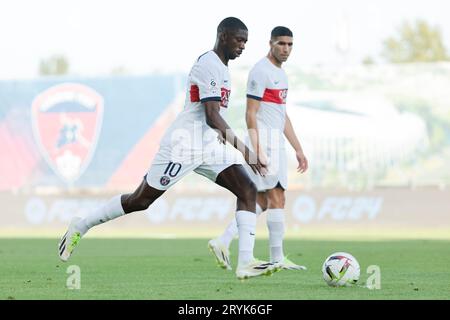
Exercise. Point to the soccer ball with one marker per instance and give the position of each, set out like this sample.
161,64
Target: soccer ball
340,269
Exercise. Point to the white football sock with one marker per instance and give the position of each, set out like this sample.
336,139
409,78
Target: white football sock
275,223
246,223
111,210
232,229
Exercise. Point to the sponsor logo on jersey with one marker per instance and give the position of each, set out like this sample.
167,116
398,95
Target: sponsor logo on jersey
225,95
283,95
66,120
194,94
277,96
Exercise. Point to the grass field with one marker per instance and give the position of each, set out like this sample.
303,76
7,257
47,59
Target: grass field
185,269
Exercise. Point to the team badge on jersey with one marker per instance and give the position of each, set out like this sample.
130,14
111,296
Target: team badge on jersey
67,119
165,180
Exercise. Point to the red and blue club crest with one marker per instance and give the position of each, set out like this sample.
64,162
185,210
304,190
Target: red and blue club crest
67,119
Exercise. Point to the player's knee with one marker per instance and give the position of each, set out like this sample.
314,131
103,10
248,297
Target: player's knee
248,193
277,201
144,203
262,202
282,200
263,207
132,204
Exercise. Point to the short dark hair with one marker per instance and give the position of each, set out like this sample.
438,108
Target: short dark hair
231,24
280,32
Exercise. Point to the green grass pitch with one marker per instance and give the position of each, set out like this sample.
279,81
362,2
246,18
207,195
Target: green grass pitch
185,269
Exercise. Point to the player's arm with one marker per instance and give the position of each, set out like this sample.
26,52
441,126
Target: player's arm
252,127
256,85
295,143
215,121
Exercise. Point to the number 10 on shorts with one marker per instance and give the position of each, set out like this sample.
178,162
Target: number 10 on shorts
173,168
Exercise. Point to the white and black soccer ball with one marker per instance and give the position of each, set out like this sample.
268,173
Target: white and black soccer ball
340,269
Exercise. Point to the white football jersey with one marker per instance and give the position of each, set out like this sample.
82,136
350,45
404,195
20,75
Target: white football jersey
208,80
269,84
189,144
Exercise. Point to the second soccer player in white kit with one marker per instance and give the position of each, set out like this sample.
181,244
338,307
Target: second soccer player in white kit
268,124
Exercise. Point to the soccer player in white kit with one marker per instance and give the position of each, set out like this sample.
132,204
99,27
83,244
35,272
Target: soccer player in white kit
196,141
267,122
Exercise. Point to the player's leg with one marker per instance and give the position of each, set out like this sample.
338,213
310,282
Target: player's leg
261,202
115,207
275,222
276,225
235,179
120,205
231,230
161,176
220,246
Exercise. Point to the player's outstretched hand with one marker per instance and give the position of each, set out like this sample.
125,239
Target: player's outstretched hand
263,158
302,162
255,163
220,137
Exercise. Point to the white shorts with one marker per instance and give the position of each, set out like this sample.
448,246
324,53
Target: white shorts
168,168
277,172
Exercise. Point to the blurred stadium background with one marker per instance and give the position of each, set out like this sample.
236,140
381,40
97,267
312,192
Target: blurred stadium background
376,134
376,137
